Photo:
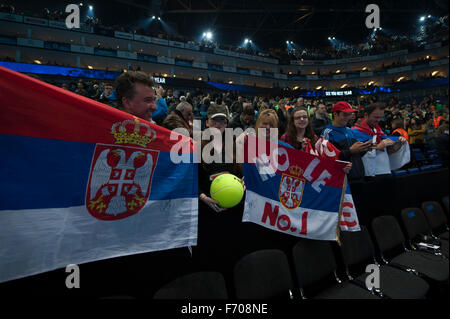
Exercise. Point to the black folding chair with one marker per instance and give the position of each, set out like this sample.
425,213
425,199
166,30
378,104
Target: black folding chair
264,274
436,219
391,243
445,203
358,252
199,285
419,234
314,262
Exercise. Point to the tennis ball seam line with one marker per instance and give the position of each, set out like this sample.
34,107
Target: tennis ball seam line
225,188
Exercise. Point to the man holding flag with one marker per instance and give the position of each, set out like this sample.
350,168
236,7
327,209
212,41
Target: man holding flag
136,95
343,138
83,182
387,153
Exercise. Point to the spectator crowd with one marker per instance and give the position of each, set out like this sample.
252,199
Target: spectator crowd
423,122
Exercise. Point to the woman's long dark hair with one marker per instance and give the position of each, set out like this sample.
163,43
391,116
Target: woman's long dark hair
291,130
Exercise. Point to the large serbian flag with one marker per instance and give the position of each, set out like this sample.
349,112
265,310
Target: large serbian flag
82,181
293,192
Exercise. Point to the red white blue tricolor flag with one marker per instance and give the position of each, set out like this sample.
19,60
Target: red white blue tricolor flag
82,181
295,192
379,162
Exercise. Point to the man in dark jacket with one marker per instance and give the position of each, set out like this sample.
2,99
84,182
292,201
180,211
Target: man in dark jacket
179,118
244,120
320,119
342,137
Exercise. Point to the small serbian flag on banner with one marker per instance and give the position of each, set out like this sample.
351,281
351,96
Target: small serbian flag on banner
82,181
293,192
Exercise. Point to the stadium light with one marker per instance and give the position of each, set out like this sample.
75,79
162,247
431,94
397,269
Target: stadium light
422,18
159,18
153,17
81,4
246,41
429,16
208,35
91,7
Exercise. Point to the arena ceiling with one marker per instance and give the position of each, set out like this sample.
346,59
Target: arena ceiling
271,23
268,23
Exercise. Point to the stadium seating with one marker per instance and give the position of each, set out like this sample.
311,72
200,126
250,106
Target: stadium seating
418,232
445,202
200,285
436,218
263,274
314,261
357,249
391,244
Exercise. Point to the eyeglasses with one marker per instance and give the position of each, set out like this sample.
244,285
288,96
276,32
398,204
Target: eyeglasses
302,117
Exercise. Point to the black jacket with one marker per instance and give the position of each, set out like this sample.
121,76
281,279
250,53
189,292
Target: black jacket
318,124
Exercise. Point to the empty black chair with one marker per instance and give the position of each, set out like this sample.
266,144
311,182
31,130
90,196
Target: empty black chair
314,261
445,202
391,244
263,274
436,219
199,285
357,250
419,233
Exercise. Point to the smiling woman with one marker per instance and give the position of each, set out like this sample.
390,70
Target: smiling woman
299,129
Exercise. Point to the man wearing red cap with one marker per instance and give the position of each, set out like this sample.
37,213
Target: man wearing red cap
342,137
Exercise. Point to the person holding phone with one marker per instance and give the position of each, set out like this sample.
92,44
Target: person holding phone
389,152
342,137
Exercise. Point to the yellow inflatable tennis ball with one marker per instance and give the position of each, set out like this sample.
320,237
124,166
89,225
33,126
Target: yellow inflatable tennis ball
227,189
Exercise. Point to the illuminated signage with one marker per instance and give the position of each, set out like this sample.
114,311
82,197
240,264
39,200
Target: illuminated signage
160,80
338,93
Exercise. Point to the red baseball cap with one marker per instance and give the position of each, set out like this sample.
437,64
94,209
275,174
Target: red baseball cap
343,107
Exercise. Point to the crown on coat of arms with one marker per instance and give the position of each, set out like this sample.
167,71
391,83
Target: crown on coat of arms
133,132
295,170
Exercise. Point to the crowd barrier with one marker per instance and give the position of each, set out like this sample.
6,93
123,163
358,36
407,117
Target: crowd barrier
223,240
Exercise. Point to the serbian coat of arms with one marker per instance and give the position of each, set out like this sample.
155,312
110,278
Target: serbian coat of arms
291,187
121,173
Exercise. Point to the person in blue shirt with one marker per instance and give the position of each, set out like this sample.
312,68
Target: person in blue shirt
161,106
343,138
